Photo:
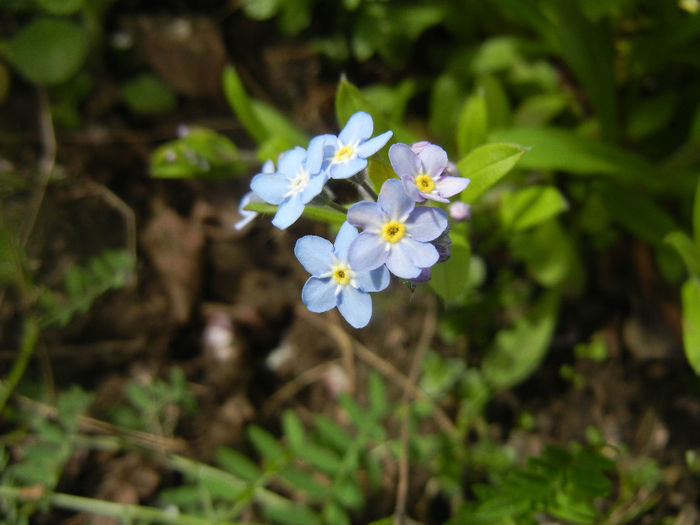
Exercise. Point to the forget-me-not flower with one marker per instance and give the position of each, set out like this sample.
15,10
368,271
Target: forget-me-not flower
298,179
422,171
396,233
248,215
347,153
336,283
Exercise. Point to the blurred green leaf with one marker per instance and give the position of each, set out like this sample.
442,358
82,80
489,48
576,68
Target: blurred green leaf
448,278
687,249
539,109
148,95
288,513
293,429
307,482
379,406
241,104
472,124
486,165
265,443
651,116
445,100
496,54
334,514
260,9
237,464
348,492
48,50
349,100
61,7
319,457
497,104
696,214
690,295
519,350
529,206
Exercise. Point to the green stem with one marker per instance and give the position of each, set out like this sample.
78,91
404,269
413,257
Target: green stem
369,189
30,336
111,509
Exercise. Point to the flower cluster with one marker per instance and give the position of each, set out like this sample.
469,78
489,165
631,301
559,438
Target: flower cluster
399,234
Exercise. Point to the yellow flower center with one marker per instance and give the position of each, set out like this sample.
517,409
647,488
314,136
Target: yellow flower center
342,274
344,153
393,231
424,183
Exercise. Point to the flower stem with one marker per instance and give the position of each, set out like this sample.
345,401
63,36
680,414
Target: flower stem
369,189
108,508
30,336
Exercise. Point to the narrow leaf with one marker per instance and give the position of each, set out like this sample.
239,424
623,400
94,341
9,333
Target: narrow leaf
687,249
690,295
241,104
472,124
486,165
530,206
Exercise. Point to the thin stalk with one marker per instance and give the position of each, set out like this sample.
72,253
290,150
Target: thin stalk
30,337
369,189
123,511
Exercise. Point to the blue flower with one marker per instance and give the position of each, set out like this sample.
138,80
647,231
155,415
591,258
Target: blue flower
396,233
422,169
336,283
347,153
248,215
298,179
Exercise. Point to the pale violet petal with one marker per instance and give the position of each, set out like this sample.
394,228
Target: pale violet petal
314,254
373,281
247,215
447,186
319,294
358,128
434,159
426,223
394,201
313,187
288,212
400,264
268,167
367,252
366,215
270,187
434,196
373,145
404,161
314,154
409,186
344,170
346,235
421,254
290,161
355,306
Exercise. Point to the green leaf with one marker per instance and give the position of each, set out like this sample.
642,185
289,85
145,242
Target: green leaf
61,7
331,433
265,443
636,212
530,206
445,100
379,172
293,429
651,116
518,351
450,279
688,250
472,124
300,480
278,127
241,105
696,215
539,109
486,165
319,457
348,493
260,9
497,105
561,149
148,95
288,513
334,515
690,295
496,54
237,463
48,51
378,403
349,100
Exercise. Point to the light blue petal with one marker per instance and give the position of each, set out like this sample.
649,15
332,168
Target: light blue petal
319,294
290,161
394,201
434,160
347,169
268,167
271,187
358,128
313,187
426,223
373,281
373,145
314,254
314,153
404,161
366,215
409,186
246,215
447,186
367,252
346,235
399,263
355,306
421,254
288,212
